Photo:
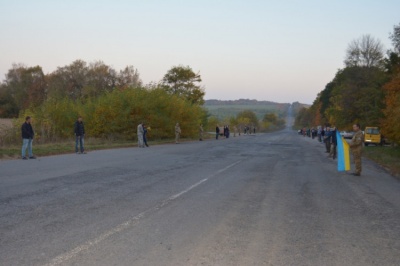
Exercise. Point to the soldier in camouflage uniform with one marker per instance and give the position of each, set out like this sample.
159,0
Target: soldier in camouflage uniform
356,148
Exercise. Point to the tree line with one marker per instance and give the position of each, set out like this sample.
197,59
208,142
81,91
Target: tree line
112,102
26,87
365,91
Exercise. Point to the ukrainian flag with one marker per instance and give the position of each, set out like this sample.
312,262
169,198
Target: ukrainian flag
343,153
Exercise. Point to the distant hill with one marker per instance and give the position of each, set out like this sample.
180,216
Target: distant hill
226,109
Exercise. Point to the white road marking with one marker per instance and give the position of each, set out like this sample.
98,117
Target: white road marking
125,225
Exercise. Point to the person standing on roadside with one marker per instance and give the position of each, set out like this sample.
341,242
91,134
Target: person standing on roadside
144,135
27,138
201,130
140,133
333,144
79,130
177,133
328,139
356,148
319,132
216,132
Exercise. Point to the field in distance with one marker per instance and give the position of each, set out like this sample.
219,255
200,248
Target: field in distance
226,109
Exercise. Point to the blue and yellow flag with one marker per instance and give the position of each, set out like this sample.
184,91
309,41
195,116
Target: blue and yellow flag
343,153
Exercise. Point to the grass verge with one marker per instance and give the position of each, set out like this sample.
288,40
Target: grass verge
64,147
388,157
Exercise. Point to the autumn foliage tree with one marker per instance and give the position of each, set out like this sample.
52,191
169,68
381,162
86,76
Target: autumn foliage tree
247,118
391,120
115,115
355,94
184,82
111,102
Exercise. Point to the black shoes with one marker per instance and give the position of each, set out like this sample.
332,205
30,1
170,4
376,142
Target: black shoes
31,157
356,174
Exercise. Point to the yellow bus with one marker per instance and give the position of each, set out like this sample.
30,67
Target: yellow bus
372,135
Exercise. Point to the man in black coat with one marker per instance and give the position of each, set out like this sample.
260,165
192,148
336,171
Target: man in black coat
27,138
333,144
79,130
216,132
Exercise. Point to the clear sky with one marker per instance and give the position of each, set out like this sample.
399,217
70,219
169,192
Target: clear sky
281,51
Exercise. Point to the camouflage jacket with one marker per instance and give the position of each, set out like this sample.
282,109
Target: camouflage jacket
357,141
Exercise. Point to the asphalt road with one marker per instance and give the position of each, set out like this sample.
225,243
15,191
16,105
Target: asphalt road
269,199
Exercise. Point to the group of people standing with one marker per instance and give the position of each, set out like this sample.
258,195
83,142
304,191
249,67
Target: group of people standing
79,131
248,130
330,140
28,134
226,132
142,130
328,136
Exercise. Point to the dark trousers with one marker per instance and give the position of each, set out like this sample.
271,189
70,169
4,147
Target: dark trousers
333,151
328,145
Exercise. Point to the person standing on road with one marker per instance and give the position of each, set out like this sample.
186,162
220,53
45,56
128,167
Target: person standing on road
356,148
333,144
319,132
177,133
216,132
201,130
144,135
79,130
327,139
27,138
140,133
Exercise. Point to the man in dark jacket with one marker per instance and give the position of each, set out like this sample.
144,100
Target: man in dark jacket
333,144
27,138
328,139
216,132
79,130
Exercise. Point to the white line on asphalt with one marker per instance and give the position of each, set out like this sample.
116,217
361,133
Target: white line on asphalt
119,228
187,190
226,168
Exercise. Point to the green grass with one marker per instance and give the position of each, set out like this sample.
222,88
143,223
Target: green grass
64,147
389,157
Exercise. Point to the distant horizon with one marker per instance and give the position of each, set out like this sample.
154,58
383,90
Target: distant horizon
255,100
